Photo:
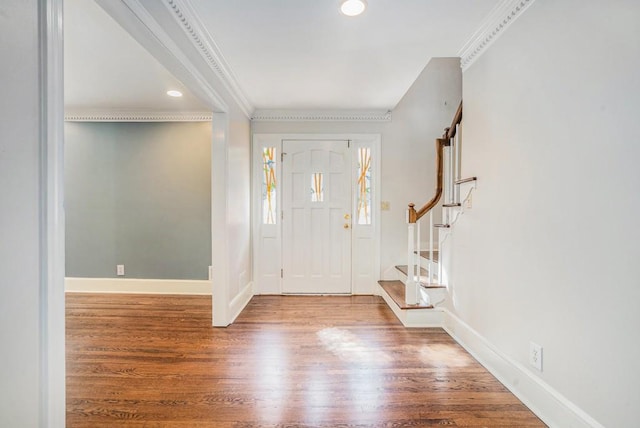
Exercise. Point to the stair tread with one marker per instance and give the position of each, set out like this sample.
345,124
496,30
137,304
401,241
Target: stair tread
395,290
427,285
425,255
404,269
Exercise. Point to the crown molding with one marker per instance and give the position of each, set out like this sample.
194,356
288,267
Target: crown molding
503,15
185,15
136,116
145,28
321,116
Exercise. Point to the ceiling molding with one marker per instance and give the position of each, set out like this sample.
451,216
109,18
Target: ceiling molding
146,30
503,15
136,116
321,116
184,13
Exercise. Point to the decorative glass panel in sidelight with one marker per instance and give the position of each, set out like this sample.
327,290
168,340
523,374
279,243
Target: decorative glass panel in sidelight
269,183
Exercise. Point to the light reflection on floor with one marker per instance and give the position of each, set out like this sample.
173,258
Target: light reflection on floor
348,347
368,365
366,385
439,354
273,375
317,397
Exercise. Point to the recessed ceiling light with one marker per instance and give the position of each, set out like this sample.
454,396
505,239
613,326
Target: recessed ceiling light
353,7
173,93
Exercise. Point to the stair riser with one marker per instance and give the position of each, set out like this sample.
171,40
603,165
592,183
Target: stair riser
433,296
402,277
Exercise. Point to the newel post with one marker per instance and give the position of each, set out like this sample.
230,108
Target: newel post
411,291
412,215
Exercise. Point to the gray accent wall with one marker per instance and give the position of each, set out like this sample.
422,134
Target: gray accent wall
138,194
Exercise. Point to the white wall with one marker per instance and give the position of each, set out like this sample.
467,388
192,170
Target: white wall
19,222
408,147
239,208
231,215
28,396
408,150
549,251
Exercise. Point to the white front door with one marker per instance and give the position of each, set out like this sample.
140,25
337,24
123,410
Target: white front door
316,217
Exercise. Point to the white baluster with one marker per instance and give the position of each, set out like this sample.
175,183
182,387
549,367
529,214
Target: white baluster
440,260
457,163
416,255
451,174
410,293
431,247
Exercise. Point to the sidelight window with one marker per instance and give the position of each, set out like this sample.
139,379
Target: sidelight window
364,186
269,202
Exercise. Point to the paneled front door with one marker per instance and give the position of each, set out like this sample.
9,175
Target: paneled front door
316,217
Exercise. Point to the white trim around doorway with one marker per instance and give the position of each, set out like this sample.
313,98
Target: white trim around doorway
52,410
267,239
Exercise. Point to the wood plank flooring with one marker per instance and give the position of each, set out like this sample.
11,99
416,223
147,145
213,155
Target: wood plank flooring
155,361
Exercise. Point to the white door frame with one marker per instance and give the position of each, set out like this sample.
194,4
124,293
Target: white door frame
267,239
52,238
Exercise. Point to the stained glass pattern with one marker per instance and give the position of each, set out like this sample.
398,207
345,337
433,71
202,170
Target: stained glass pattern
364,186
269,202
317,189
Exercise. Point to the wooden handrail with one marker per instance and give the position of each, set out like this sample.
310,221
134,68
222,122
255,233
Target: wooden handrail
450,132
441,143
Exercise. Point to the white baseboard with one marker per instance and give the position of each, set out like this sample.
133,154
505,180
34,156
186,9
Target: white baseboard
548,404
240,301
138,286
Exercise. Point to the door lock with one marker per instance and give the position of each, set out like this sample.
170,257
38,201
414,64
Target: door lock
347,216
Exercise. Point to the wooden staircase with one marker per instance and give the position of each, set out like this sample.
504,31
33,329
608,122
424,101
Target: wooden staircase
425,312
421,284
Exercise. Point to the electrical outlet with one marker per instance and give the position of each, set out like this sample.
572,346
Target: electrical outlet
535,355
120,270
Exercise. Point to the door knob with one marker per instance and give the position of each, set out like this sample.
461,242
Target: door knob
346,226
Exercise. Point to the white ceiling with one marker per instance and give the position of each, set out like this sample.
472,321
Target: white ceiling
304,54
107,70
284,54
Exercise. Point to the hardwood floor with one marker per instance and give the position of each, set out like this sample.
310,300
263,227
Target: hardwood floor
155,361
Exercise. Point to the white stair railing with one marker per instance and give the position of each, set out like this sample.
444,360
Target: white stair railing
448,172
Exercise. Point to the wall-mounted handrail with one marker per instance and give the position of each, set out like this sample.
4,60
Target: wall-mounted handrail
441,143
